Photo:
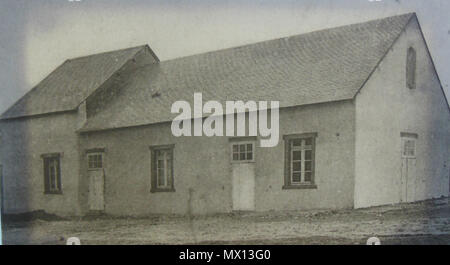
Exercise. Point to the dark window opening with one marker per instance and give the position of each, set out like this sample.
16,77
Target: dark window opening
52,174
162,168
299,161
95,161
242,152
411,68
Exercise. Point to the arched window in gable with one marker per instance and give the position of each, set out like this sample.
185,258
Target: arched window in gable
411,68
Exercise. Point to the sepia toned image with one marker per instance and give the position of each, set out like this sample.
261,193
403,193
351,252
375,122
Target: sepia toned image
225,123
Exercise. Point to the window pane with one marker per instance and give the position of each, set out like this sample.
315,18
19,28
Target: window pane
100,162
236,156
160,164
161,177
52,176
308,165
409,148
296,166
160,155
296,177
95,161
169,172
249,147
296,155
235,148
308,176
249,156
297,142
242,156
308,154
242,148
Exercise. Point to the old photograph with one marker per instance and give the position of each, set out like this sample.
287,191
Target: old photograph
225,123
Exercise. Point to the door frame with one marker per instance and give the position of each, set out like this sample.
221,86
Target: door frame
242,140
89,170
405,158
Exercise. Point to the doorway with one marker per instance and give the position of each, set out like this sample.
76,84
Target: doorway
243,175
96,174
408,181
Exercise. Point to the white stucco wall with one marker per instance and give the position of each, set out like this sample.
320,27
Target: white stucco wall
202,167
23,142
385,107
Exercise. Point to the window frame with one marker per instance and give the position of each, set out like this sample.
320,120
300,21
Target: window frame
288,162
101,154
153,172
47,158
408,137
411,68
238,143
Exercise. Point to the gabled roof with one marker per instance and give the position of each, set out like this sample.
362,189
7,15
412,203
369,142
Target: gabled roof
322,66
70,84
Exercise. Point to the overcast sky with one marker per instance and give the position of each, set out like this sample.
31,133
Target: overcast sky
38,35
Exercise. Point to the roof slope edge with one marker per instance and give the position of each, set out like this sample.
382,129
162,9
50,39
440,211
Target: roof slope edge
70,83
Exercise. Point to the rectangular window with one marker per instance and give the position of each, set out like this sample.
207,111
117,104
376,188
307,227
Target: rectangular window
299,160
409,144
95,161
162,168
242,151
409,147
411,68
52,174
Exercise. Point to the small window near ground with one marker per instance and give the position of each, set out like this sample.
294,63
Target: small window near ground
299,161
52,174
162,168
95,161
242,152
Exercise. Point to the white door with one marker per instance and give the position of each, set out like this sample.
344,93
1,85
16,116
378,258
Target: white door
408,181
243,176
96,181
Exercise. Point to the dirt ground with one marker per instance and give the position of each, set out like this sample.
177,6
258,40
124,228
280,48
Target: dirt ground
425,222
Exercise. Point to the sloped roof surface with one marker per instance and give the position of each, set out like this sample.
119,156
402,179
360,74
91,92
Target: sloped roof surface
71,83
321,66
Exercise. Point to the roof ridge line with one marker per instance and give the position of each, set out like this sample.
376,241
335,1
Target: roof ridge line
105,52
287,37
115,72
2,116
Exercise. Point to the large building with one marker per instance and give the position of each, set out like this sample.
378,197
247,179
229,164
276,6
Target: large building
363,121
